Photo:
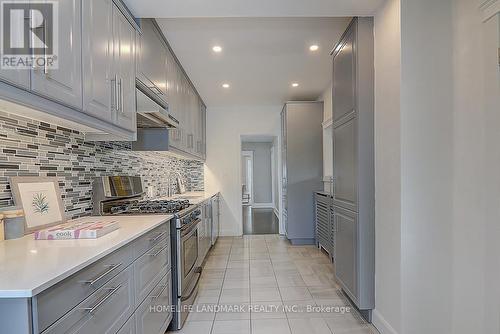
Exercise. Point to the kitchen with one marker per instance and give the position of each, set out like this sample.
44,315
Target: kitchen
122,127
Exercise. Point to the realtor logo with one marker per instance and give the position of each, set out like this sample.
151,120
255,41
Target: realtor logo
29,32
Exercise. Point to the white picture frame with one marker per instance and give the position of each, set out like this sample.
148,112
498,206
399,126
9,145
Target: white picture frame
40,198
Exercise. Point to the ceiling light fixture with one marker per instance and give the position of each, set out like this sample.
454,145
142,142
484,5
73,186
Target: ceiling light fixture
295,84
217,49
226,85
314,47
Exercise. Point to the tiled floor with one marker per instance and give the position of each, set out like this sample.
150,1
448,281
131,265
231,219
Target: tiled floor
262,285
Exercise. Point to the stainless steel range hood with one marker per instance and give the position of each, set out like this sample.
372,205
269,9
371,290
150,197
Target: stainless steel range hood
151,113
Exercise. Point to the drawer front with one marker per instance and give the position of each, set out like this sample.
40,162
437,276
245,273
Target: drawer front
129,327
151,239
148,268
105,312
154,315
54,302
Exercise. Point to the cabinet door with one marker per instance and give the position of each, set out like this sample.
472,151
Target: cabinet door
345,255
64,84
124,60
20,77
153,315
129,327
344,78
345,163
203,131
99,81
153,59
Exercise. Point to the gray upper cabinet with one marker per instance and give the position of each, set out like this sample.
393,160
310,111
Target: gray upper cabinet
153,60
124,62
109,64
20,78
159,71
64,84
99,80
343,78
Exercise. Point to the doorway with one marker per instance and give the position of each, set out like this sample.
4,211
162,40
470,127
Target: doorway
258,176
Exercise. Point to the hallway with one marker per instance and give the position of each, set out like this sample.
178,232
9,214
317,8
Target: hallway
259,221
262,285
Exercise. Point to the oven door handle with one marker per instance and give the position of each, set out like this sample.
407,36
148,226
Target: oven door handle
197,270
190,229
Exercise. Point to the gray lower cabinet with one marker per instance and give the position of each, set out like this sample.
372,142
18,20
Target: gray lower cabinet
53,303
146,267
129,327
154,314
128,291
64,84
346,245
104,312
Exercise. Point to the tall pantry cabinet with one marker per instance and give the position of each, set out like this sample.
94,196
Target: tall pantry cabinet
353,202
302,168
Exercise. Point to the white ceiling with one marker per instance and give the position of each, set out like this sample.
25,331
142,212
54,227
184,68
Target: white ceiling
251,8
261,57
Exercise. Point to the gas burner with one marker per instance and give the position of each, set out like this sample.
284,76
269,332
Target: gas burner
150,206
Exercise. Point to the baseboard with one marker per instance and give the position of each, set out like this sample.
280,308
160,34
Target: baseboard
262,205
381,324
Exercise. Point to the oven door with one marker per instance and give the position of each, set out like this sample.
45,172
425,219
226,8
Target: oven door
188,256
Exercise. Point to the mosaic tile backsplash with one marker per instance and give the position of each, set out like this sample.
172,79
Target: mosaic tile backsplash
32,148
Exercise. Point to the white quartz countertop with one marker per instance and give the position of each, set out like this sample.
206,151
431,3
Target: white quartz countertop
28,266
194,197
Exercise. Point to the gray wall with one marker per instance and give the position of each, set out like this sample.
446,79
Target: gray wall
262,174
32,148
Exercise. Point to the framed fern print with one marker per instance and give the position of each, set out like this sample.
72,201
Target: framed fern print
40,199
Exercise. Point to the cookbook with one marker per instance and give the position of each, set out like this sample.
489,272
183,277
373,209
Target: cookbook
80,229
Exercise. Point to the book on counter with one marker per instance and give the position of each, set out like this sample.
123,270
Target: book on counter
78,229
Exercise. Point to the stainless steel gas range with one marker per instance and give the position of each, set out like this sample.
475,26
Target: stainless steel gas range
123,195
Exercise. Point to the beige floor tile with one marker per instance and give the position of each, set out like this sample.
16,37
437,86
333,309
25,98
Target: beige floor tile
323,293
233,311
346,322
290,280
236,284
202,312
195,327
301,309
235,296
210,284
231,327
270,326
237,273
309,326
268,310
238,264
263,282
295,293
265,295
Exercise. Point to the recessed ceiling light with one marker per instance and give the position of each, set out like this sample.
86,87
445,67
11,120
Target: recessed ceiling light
226,85
217,49
314,47
295,84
